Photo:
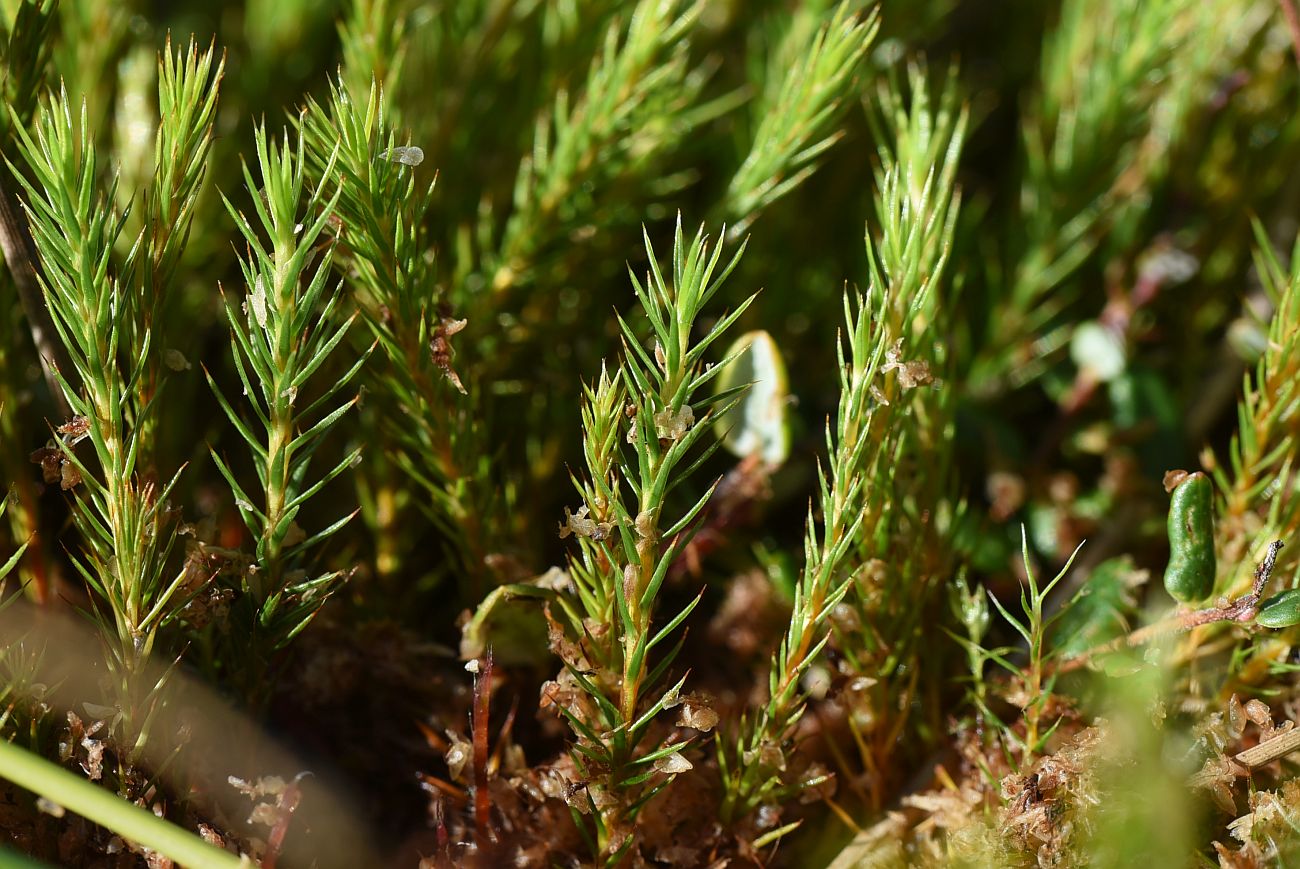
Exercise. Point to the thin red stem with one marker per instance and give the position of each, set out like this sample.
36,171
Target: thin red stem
482,703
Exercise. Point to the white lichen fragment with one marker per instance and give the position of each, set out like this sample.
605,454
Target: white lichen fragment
257,301
407,155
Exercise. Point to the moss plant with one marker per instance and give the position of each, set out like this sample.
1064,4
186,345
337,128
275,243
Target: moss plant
640,432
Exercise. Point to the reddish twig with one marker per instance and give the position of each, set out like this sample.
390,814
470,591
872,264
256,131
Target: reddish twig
1241,610
289,799
440,823
479,723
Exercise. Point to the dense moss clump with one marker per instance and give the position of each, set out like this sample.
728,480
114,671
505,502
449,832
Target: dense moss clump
649,432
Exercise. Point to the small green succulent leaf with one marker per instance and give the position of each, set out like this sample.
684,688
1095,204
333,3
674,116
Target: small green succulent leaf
1190,574
758,423
1282,610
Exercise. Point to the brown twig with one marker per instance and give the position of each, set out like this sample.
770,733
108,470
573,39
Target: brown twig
1241,610
482,702
1270,749
289,799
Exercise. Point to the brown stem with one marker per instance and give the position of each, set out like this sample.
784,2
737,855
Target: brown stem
288,804
482,800
1241,610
